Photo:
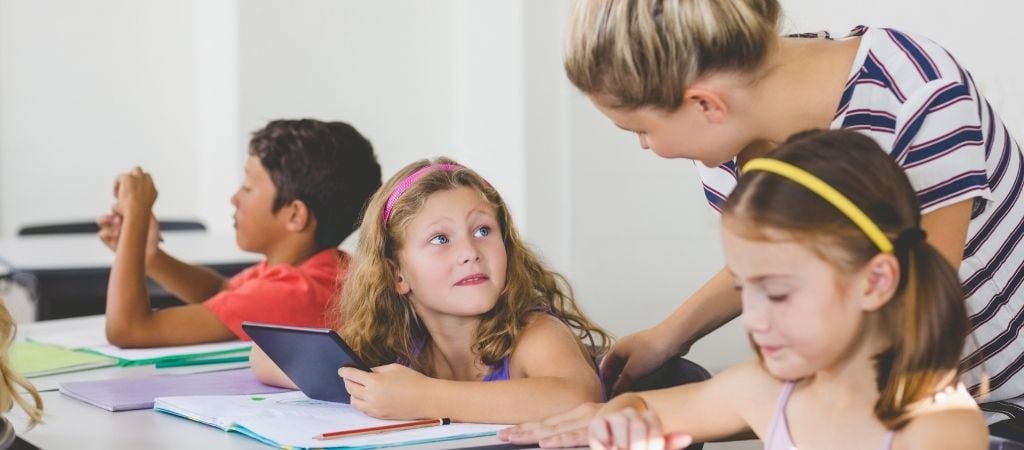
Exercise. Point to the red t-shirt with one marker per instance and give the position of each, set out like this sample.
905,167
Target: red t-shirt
282,294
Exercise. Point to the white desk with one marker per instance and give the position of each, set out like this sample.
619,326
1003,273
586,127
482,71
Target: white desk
71,424
68,273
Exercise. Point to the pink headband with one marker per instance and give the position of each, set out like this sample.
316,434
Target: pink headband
409,180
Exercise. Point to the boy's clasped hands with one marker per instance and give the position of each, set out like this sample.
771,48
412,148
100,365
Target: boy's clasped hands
135,194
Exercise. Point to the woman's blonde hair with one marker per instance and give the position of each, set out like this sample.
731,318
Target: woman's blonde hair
926,321
379,323
10,381
645,53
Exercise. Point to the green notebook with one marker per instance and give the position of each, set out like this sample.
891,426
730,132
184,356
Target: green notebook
35,360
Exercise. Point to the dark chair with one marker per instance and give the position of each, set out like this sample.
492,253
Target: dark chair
1007,435
674,372
998,443
92,228
10,441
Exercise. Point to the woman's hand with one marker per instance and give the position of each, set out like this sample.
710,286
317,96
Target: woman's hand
389,392
634,356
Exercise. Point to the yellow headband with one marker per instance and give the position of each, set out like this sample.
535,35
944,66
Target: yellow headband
837,199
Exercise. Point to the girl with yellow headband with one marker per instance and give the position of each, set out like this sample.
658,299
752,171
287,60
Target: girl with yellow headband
714,82
857,321
458,317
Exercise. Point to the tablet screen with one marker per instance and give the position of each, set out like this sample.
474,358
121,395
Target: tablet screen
310,357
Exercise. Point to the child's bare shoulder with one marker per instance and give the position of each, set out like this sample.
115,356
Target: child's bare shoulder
751,376
746,383
542,327
950,421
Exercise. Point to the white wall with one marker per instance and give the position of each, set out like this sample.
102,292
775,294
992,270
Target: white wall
982,36
89,89
384,66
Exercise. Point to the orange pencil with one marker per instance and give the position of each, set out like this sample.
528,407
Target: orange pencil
384,428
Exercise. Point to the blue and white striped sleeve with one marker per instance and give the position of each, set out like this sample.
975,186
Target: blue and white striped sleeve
940,144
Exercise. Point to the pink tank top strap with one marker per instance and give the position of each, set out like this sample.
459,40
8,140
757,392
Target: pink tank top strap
887,440
778,434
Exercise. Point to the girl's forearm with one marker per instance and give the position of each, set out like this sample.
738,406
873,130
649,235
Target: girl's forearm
506,402
624,401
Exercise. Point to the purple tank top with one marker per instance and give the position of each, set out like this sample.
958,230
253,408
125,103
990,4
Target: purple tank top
499,372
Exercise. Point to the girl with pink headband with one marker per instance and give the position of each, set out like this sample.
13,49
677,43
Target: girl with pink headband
456,315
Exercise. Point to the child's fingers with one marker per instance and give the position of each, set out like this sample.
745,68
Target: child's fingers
358,404
355,375
388,368
566,434
642,435
600,435
574,422
618,430
574,438
355,390
677,441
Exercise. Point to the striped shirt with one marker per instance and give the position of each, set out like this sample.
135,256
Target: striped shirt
914,99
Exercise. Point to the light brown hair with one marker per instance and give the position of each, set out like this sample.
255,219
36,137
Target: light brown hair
925,321
10,381
639,53
379,323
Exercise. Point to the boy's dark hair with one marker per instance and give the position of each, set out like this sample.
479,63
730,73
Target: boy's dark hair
327,165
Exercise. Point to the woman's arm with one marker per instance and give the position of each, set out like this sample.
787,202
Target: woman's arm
947,230
638,354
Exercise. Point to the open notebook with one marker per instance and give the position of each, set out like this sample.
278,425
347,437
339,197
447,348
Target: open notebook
290,420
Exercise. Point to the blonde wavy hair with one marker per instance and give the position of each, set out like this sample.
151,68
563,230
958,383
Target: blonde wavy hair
640,53
379,323
10,380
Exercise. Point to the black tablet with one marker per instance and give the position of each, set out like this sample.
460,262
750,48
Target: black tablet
311,357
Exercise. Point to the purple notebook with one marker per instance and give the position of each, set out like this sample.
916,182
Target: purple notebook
126,394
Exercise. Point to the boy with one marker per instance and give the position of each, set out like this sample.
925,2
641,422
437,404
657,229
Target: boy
305,185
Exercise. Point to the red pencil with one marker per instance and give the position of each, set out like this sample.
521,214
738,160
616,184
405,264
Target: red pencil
384,428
